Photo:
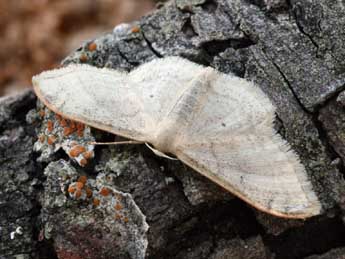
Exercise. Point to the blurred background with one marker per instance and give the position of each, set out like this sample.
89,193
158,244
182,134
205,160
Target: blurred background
36,35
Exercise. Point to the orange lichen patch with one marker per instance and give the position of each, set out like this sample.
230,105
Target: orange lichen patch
88,155
51,140
80,129
58,117
117,216
135,29
83,58
83,162
50,125
77,150
92,46
96,202
42,113
42,138
82,179
118,206
71,189
78,194
80,126
104,191
88,192
125,219
67,131
79,185
63,122
73,125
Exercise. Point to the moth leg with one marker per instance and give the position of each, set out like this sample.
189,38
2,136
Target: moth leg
159,153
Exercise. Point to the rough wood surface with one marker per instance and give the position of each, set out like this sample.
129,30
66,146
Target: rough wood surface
294,50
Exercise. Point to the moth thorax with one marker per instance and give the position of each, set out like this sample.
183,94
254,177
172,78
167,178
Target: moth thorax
166,136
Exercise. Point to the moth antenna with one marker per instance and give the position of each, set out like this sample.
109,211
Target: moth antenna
129,142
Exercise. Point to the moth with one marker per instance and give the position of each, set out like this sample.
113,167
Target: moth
218,124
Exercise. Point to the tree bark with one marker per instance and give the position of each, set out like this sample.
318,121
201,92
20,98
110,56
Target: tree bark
293,50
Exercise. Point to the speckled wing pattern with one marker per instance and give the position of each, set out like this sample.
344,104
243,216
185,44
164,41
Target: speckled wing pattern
220,125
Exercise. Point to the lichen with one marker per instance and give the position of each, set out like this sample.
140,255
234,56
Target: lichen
84,204
57,132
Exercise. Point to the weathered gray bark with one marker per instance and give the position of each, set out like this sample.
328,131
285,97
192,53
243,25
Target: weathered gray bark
294,50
